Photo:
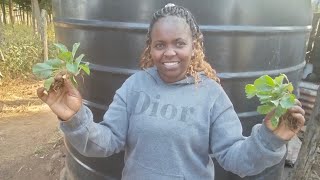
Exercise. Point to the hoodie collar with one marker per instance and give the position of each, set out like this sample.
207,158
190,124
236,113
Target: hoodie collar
153,72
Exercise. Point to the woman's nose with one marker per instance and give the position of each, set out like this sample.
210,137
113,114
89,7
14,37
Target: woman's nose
169,52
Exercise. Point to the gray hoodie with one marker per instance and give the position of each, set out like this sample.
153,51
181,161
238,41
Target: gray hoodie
168,131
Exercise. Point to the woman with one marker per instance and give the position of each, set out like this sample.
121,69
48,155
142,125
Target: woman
169,117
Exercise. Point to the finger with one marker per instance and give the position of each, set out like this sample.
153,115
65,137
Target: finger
58,77
297,102
68,84
299,118
269,115
269,125
72,91
296,109
267,120
42,94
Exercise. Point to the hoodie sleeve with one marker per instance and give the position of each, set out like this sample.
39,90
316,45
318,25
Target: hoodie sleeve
245,156
99,139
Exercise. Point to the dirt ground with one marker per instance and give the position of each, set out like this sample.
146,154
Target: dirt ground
31,145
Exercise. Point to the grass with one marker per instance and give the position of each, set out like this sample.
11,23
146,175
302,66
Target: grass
20,49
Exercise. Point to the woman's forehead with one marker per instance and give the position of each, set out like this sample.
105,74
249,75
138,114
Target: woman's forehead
171,25
171,20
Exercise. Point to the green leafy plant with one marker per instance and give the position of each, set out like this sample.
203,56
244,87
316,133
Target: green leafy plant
65,63
273,94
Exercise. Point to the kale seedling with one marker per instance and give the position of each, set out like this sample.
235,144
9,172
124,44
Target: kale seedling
275,95
65,64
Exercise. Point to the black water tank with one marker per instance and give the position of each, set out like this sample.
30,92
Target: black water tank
243,40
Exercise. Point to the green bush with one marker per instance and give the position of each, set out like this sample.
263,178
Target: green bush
21,49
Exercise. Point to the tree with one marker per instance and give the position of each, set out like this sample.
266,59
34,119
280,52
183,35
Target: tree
36,14
25,9
308,151
11,12
25,6
3,8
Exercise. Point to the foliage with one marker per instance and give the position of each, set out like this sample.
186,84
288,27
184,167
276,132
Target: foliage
66,62
273,94
26,4
21,49
47,5
315,6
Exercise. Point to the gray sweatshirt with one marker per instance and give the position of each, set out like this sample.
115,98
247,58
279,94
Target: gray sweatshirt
168,131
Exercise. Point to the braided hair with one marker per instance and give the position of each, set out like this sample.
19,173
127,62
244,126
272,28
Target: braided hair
198,60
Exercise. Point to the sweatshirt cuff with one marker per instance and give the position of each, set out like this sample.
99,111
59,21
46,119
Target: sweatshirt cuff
77,121
269,139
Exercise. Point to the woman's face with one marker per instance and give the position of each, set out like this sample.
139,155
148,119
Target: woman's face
171,48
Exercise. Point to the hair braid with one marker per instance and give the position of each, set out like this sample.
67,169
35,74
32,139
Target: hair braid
198,60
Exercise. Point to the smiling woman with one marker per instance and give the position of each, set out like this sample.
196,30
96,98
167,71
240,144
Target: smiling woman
171,48
175,46
171,117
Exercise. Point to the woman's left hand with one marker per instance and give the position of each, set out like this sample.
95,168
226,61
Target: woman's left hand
284,131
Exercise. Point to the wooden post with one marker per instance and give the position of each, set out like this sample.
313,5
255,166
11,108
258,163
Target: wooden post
36,14
308,151
44,33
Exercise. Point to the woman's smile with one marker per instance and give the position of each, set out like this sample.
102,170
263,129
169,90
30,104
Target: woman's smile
171,65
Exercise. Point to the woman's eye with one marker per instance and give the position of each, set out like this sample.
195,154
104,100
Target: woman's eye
159,46
180,44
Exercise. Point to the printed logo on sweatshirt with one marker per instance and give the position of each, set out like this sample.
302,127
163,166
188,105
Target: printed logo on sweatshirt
144,104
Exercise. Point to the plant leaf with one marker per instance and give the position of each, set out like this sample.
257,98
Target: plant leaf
266,96
275,102
65,56
289,87
265,109
272,94
42,70
280,111
85,68
55,63
48,82
79,58
264,83
288,101
75,48
274,121
279,80
61,47
72,68
250,90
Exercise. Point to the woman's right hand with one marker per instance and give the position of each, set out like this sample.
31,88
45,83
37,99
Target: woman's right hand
64,102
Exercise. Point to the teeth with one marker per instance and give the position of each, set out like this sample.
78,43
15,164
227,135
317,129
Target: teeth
170,63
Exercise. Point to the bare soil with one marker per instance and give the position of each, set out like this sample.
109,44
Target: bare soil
31,145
